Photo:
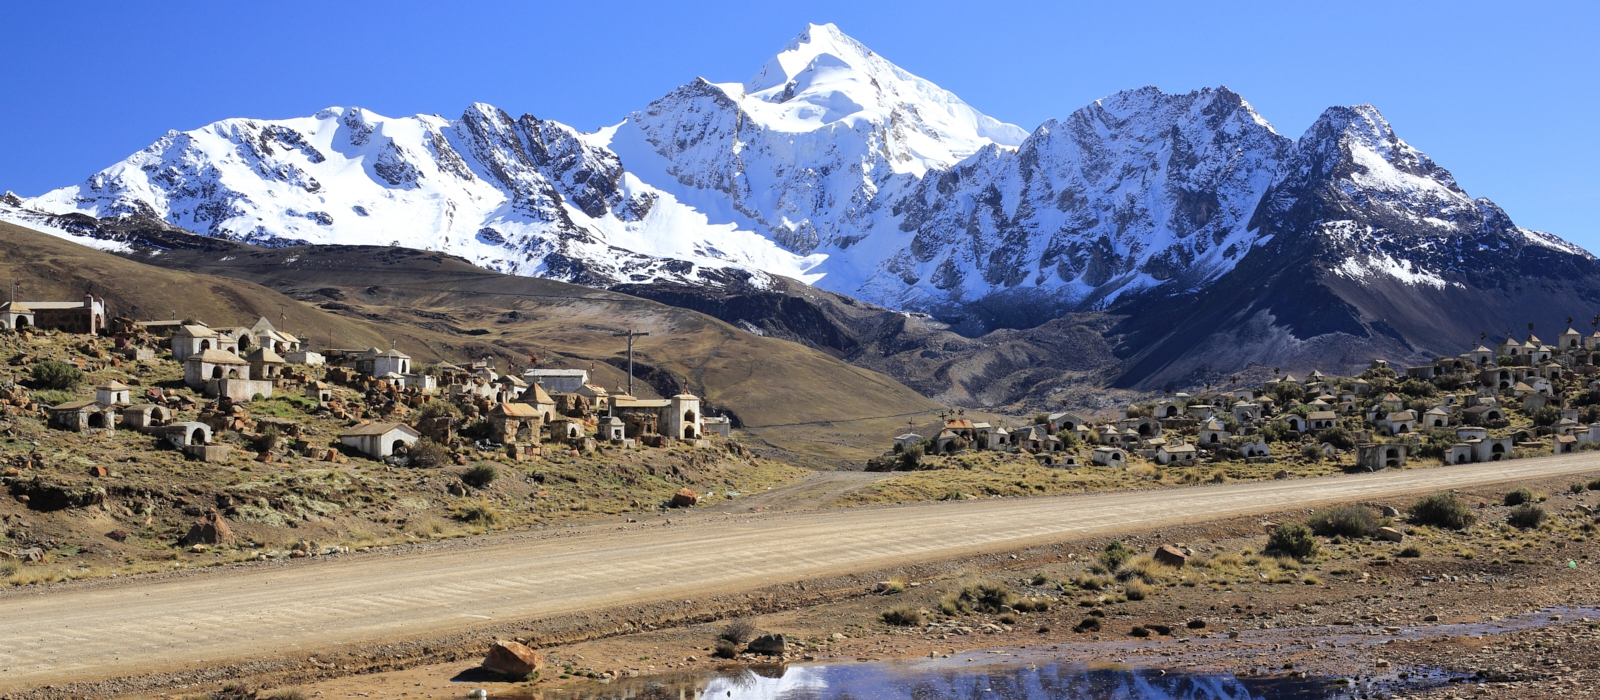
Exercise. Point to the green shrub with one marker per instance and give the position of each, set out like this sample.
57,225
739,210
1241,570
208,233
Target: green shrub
267,441
1338,437
437,408
481,474
1115,555
1594,485
1444,510
1519,497
911,458
1526,515
1576,487
1293,539
902,616
55,374
1311,453
1346,521
427,454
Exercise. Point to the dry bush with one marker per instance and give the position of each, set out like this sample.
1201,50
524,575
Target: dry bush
738,632
427,454
902,616
985,597
1136,590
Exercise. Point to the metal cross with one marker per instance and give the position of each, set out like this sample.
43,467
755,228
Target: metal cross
630,334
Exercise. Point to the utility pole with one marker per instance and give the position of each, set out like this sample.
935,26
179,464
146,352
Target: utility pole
630,334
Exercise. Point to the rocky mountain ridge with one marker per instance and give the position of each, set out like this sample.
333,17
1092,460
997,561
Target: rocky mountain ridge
833,167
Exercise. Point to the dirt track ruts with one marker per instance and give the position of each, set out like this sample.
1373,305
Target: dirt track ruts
70,634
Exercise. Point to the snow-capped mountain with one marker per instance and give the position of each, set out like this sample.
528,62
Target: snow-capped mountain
835,167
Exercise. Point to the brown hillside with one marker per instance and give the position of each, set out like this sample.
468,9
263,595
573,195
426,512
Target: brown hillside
439,307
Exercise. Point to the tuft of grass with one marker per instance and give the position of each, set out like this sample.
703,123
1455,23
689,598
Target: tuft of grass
477,513
286,694
1445,510
985,597
1594,485
726,649
1410,552
1576,487
902,616
1040,579
1136,590
896,586
1519,497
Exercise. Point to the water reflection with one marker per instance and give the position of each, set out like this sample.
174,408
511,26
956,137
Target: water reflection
936,681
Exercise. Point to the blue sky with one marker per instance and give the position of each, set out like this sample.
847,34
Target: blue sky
1505,95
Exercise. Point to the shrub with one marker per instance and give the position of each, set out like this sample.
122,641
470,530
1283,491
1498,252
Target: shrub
1576,487
911,457
1338,437
1293,539
902,616
58,375
1089,624
1347,521
1416,388
980,597
1115,555
1548,415
1526,516
1594,485
1032,605
1311,453
267,441
427,454
1445,510
726,649
1410,552
1136,590
1040,579
436,408
481,474
737,632
1519,497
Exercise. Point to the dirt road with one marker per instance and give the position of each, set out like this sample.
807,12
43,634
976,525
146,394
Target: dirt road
142,626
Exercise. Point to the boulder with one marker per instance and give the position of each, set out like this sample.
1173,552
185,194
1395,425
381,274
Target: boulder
32,555
1197,624
1171,556
1389,511
512,659
684,498
1282,474
1389,534
211,528
771,644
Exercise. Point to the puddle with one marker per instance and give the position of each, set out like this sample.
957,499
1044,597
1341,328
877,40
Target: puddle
938,680
1080,671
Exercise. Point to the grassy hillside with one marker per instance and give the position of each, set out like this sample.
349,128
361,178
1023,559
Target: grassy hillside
437,307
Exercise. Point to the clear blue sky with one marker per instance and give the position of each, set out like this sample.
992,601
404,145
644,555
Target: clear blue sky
1505,95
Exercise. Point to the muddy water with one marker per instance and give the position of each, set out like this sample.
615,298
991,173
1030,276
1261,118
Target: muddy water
1075,671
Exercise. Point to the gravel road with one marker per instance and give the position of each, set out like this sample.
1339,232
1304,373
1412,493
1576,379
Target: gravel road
72,633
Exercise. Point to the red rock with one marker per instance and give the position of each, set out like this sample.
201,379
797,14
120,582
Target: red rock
684,498
209,529
118,535
97,471
1171,556
512,659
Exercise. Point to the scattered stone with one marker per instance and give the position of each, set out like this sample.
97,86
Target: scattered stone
770,644
684,498
1197,624
512,659
1389,534
31,555
1389,511
118,535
